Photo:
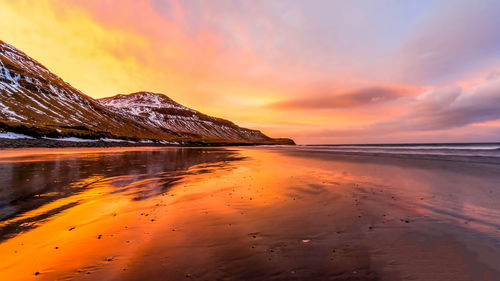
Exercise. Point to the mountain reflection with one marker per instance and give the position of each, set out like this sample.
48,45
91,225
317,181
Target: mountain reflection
29,184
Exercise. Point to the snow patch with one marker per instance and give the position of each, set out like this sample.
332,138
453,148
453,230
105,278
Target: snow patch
10,135
71,139
117,140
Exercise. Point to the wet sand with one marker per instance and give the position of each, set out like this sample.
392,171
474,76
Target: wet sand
245,214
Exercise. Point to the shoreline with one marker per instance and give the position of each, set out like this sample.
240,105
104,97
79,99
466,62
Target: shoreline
48,143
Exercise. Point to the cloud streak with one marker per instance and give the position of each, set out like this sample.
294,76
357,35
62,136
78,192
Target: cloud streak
355,98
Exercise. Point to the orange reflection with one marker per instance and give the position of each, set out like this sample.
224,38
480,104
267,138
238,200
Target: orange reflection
226,209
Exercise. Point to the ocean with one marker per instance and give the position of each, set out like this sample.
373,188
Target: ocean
475,152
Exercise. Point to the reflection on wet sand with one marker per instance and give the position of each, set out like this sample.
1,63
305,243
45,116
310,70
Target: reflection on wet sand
246,214
36,187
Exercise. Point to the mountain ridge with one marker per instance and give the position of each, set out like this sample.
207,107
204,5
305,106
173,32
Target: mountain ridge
162,112
38,103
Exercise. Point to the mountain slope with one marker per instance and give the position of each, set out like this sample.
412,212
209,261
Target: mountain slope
32,96
38,103
160,111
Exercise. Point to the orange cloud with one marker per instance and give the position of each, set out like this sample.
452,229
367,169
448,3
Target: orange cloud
353,98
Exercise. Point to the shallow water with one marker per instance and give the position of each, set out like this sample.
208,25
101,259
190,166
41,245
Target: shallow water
245,214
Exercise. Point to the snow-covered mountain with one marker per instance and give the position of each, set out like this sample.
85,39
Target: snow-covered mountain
36,102
162,112
34,99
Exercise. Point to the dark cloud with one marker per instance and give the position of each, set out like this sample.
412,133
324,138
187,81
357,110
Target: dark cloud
360,97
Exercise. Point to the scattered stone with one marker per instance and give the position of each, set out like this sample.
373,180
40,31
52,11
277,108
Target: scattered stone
306,241
188,275
99,236
37,273
71,228
56,248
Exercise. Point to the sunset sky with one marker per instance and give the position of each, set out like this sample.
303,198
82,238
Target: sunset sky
316,71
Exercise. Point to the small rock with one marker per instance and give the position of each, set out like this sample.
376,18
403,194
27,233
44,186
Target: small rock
99,236
37,273
71,228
